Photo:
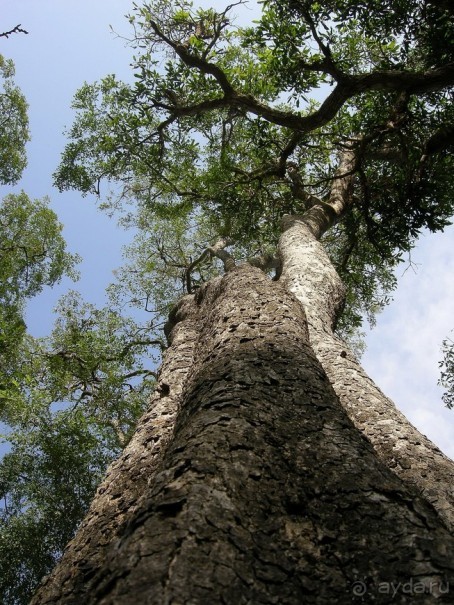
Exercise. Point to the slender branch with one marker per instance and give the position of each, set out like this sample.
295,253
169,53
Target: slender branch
114,423
220,24
327,65
371,224
139,373
192,60
191,268
298,188
135,343
353,240
16,30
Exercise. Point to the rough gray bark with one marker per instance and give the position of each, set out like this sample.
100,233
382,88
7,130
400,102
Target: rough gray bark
126,480
308,273
250,479
264,491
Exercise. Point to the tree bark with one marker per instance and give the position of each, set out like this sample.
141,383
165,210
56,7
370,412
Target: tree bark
309,274
247,482
126,480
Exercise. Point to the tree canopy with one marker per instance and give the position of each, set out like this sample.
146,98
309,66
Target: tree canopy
14,132
221,130
77,396
32,256
69,402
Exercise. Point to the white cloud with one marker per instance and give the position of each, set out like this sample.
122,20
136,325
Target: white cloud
404,350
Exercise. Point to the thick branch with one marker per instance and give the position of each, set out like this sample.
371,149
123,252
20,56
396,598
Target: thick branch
265,262
179,111
387,153
347,87
216,250
440,140
323,215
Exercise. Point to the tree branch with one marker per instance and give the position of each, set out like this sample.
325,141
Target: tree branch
135,343
16,30
139,373
327,65
265,262
322,215
192,60
348,86
216,250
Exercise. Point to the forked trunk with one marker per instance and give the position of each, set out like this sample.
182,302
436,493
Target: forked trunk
247,482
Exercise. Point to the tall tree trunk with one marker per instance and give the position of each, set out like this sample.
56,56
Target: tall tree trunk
309,274
247,482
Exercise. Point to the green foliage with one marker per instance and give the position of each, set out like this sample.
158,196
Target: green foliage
14,132
447,372
69,402
95,358
77,397
389,34
179,148
32,249
154,275
46,483
32,256
368,276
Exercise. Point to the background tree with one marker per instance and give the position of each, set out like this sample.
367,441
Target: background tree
68,403
32,256
14,132
237,190
77,396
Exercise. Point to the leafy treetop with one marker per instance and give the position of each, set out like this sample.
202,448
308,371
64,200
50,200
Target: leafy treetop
14,133
220,131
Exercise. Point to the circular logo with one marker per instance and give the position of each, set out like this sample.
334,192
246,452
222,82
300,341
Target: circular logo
359,589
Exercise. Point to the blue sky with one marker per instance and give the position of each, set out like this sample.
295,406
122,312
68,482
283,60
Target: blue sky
70,42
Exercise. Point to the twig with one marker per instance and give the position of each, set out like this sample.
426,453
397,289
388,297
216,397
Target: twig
16,30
